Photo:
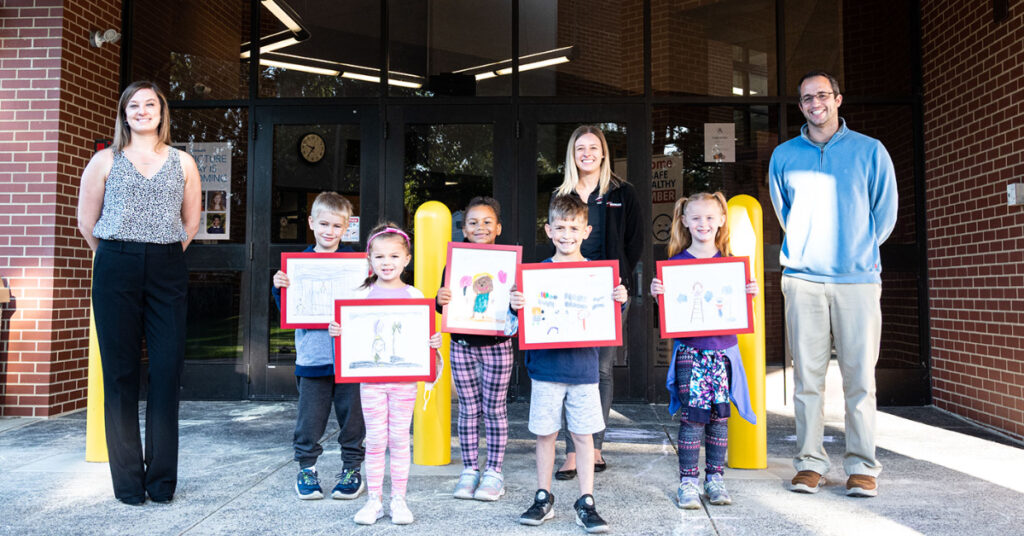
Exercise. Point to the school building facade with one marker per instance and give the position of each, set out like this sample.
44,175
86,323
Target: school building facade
281,99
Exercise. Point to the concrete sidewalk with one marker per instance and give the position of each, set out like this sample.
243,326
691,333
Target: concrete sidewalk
942,476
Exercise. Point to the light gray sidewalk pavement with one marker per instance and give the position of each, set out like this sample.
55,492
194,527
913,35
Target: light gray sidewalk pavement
941,476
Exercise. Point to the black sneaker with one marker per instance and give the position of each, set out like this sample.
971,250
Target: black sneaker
587,517
541,510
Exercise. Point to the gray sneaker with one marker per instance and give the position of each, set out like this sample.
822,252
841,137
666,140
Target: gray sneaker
688,494
467,483
492,486
714,488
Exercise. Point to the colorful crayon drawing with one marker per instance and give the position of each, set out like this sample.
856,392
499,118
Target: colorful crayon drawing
478,278
569,306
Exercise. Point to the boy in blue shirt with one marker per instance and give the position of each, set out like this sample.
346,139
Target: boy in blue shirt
569,375
314,375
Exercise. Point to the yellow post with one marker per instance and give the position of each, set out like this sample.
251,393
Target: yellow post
432,419
95,435
748,443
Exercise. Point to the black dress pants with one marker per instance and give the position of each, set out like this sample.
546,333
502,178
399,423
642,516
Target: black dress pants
141,289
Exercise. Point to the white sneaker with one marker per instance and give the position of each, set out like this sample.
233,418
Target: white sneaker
400,513
492,486
467,483
370,512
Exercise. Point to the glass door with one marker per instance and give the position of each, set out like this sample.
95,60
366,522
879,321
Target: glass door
543,136
300,153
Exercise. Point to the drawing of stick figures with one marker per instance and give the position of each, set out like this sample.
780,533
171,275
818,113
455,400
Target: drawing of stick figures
697,313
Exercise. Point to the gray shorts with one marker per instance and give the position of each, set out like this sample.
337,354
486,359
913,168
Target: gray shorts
582,407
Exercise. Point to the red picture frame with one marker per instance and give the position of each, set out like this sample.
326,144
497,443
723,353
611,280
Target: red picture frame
380,362
453,317
308,261
558,294
712,309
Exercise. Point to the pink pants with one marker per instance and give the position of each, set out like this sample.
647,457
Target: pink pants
387,412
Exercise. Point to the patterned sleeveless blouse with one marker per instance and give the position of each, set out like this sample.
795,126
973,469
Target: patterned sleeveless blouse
137,209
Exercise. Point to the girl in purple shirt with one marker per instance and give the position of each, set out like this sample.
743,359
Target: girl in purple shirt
705,372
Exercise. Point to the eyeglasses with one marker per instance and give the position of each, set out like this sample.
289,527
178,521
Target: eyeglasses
821,95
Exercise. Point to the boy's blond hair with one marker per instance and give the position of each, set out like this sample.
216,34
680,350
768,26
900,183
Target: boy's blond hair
333,202
567,207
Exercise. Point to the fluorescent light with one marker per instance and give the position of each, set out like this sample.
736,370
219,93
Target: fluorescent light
270,47
376,80
403,83
298,67
282,15
547,58
535,65
360,76
737,91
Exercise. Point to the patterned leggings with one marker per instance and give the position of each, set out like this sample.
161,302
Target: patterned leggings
716,431
387,412
482,393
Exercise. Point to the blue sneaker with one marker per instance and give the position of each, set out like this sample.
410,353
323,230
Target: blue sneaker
307,485
350,485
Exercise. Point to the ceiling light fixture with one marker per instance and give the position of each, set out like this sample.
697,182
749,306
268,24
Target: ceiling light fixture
528,62
295,32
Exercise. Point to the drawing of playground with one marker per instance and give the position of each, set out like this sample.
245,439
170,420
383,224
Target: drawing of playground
315,286
705,297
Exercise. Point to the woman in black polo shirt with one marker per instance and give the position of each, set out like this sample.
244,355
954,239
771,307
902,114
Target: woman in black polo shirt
614,215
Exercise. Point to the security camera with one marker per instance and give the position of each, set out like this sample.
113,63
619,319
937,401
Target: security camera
97,37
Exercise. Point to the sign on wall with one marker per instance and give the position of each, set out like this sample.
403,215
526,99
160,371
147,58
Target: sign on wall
719,142
666,187
214,162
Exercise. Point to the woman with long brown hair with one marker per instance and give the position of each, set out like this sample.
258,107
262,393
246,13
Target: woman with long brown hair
138,209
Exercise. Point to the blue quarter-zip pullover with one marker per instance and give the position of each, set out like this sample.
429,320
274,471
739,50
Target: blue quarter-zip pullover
836,204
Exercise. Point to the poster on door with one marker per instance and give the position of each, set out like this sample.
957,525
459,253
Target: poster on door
214,162
666,187
719,142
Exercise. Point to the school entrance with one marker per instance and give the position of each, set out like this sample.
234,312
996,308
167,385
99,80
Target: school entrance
399,102
388,163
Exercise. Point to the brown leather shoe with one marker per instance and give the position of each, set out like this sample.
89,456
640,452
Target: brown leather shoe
806,482
861,486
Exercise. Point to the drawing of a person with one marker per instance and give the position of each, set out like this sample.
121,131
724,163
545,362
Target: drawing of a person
483,284
378,345
697,314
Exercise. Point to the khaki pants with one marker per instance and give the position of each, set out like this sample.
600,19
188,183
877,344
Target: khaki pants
852,315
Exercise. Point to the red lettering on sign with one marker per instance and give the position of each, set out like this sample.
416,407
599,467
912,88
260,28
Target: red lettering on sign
663,196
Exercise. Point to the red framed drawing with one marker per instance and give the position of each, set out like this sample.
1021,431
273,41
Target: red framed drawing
315,281
705,297
480,277
569,305
384,341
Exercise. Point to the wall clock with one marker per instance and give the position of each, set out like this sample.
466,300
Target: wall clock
312,147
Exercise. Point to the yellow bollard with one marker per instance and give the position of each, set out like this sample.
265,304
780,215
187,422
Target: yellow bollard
748,443
95,435
432,419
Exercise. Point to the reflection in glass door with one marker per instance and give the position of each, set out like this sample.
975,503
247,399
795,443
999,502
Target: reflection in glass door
449,154
301,154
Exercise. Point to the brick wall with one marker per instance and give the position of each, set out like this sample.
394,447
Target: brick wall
974,146
58,96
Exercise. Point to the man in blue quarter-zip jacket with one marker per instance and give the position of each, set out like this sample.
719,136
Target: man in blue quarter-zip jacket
834,191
